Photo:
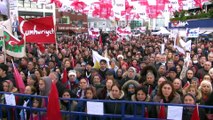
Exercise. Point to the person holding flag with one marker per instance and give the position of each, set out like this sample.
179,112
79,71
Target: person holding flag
192,113
166,94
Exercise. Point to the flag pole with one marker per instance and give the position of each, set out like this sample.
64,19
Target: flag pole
3,47
54,22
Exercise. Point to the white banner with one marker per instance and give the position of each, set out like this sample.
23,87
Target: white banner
192,33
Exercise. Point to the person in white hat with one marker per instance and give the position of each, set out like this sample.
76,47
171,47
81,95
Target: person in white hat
73,82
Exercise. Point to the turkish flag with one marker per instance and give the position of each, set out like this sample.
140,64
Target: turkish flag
162,113
64,79
195,114
53,108
38,30
100,40
18,79
41,47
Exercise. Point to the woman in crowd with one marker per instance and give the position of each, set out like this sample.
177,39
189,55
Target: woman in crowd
105,92
26,102
166,94
129,88
207,77
90,94
96,81
141,95
7,87
131,74
33,81
38,73
188,78
116,93
206,89
24,77
179,69
118,76
44,86
67,105
36,115
192,89
189,99
44,89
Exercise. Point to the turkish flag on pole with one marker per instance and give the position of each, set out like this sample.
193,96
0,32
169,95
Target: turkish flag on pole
53,108
100,40
195,114
162,114
18,79
64,79
41,47
38,30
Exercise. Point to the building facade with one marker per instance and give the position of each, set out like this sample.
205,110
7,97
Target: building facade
71,22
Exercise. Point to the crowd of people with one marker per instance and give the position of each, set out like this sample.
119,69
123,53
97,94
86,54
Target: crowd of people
137,71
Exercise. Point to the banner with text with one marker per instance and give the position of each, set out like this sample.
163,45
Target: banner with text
192,33
38,30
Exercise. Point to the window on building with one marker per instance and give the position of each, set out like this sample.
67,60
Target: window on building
80,23
65,20
21,3
95,24
72,12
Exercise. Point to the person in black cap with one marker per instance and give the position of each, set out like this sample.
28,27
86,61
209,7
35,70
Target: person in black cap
103,69
88,69
172,74
3,75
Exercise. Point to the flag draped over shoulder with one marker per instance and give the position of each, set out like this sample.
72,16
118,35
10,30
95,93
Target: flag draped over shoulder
96,59
13,46
53,108
38,30
18,79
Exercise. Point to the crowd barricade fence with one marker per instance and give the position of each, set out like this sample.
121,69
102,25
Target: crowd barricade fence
13,111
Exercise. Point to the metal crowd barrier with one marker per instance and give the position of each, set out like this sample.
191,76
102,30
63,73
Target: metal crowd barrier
12,112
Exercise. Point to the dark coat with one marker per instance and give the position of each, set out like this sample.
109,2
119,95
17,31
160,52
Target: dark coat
139,109
60,88
114,108
187,114
82,107
102,93
155,110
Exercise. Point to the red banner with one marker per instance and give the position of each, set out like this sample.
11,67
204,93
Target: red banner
38,30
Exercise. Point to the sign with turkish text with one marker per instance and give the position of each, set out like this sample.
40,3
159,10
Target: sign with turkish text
38,30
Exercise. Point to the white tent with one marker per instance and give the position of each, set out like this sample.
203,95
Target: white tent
162,31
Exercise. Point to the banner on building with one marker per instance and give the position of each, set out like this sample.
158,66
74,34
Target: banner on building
192,33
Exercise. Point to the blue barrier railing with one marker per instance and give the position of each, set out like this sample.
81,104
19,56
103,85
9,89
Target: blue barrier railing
10,112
